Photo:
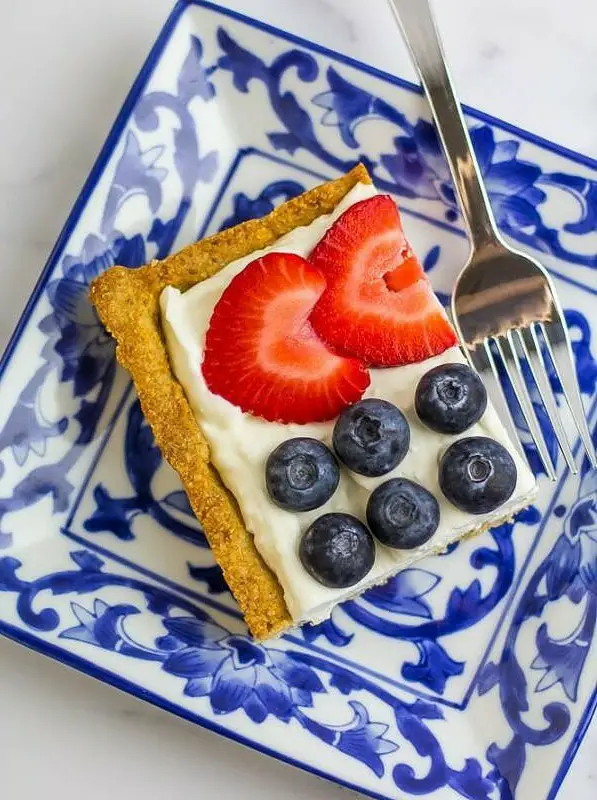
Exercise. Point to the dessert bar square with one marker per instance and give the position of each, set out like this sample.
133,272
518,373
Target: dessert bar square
301,377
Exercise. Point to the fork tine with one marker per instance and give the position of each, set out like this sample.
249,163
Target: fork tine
481,358
509,356
534,356
557,340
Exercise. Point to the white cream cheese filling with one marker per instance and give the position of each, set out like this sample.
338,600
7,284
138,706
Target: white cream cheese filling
240,443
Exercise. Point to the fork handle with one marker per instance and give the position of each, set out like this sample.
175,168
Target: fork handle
422,38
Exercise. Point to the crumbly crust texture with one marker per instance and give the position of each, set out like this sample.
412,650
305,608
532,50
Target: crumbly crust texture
127,301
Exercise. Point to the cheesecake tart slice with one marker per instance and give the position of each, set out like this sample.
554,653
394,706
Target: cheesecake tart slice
304,381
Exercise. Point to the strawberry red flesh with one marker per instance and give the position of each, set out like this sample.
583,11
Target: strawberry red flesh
262,354
378,305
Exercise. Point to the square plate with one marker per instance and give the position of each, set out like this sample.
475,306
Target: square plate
473,674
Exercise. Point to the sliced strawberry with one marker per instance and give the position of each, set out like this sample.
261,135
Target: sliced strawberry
262,354
410,271
378,306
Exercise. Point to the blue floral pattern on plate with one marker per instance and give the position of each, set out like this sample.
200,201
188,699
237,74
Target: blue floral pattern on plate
392,684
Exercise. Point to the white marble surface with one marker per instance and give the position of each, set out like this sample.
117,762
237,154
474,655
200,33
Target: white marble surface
65,67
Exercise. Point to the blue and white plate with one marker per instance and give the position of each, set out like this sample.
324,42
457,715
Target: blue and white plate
472,675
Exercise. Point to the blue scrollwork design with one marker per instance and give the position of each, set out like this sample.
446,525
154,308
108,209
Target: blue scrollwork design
78,348
191,166
416,168
234,673
142,459
568,571
115,515
76,345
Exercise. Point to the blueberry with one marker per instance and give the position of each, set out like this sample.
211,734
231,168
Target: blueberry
371,437
477,474
450,398
301,474
337,550
402,514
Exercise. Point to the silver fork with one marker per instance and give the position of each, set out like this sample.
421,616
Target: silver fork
504,304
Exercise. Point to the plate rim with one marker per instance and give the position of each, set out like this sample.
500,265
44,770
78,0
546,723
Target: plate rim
87,666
